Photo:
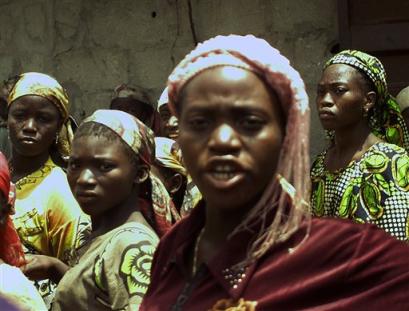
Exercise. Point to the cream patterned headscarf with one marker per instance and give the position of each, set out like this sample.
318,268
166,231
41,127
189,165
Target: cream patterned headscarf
132,131
168,154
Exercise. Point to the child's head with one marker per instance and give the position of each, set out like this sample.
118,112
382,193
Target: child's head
168,167
110,158
135,101
169,122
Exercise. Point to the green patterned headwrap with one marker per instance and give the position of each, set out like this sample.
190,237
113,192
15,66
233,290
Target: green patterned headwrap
385,119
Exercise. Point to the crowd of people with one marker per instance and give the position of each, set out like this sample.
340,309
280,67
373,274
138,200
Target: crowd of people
206,200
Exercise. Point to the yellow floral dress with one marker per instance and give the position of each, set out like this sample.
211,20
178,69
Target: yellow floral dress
373,189
48,219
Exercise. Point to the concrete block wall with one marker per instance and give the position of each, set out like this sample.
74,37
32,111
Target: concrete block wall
91,46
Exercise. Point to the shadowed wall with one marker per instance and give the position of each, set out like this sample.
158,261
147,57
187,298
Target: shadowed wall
91,46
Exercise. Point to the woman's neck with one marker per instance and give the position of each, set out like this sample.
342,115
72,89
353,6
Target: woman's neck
126,212
352,137
349,145
22,166
220,223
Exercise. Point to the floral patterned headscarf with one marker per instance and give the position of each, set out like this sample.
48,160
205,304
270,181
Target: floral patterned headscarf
35,83
159,211
132,131
386,120
169,155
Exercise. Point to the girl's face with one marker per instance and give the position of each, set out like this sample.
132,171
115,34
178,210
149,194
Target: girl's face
100,174
169,123
341,97
33,123
231,131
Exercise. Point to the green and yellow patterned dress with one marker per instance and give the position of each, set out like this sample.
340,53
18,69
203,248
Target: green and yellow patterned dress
373,189
113,272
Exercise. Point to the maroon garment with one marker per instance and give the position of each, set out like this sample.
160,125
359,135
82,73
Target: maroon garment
342,265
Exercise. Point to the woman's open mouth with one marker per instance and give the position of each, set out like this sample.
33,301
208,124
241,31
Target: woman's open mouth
28,140
224,172
224,176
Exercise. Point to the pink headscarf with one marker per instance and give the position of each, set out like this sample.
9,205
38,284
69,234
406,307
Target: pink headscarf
292,180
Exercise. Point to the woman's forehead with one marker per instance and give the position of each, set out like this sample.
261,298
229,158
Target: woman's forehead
225,83
339,73
35,102
224,80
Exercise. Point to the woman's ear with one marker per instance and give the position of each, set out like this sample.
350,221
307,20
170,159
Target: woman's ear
142,173
175,183
370,101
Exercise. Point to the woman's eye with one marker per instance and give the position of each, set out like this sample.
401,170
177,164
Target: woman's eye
251,123
106,167
199,123
72,165
340,90
18,115
44,118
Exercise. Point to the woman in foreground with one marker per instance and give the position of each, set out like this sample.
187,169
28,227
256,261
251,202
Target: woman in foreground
250,244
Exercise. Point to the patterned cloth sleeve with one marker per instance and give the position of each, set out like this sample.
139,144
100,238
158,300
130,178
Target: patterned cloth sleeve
122,270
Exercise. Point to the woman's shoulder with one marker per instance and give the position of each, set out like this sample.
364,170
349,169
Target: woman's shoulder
129,235
55,181
385,158
388,148
122,266
346,235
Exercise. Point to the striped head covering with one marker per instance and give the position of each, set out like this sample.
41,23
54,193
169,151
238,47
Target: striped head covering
385,120
158,208
34,83
258,56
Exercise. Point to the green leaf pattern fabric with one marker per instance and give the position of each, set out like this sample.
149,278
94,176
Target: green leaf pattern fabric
373,189
113,271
